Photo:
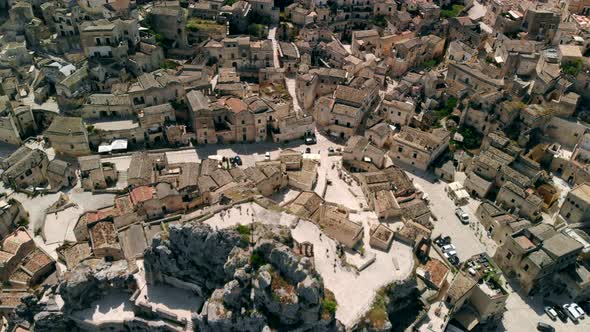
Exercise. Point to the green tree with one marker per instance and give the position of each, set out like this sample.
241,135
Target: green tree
572,67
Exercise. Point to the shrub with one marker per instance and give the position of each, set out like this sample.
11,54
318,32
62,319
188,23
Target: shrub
23,221
329,306
572,67
243,229
257,260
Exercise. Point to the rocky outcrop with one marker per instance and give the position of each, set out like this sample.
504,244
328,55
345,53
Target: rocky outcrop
395,307
192,252
85,284
270,287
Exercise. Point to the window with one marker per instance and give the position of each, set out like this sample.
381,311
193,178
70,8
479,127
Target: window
509,255
72,146
400,149
414,155
243,122
526,267
259,121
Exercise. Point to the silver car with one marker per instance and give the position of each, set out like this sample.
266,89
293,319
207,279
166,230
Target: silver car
463,216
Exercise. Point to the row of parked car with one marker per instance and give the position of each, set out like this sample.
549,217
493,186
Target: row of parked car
569,310
448,249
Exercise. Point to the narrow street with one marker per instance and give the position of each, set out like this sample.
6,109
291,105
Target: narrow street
272,33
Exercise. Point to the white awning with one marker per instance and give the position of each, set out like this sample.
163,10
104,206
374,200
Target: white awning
104,148
119,144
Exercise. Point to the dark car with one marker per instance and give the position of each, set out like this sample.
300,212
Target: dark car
439,241
545,327
560,313
238,160
454,260
307,150
447,240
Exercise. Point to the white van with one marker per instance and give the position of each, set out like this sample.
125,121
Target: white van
571,312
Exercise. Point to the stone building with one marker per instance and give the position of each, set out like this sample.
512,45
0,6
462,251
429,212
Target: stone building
16,123
25,168
415,148
535,255
245,55
108,39
12,213
576,207
169,19
68,136
523,202
61,174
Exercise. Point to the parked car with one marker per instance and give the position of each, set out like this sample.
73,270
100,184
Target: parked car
579,310
463,216
571,313
310,141
545,327
238,160
448,247
439,241
449,253
267,156
454,260
307,150
560,313
447,240
331,150
551,313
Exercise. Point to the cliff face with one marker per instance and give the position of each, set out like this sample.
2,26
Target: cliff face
194,253
87,283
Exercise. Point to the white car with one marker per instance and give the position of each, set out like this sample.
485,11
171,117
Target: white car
450,253
571,312
448,247
551,313
580,311
267,156
463,216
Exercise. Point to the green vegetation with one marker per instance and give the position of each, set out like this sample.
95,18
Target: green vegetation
377,315
379,20
258,18
195,24
447,108
451,12
428,65
168,64
229,2
281,289
471,138
257,260
257,30
329,306
243,230
178,105
572,67
160,40
23,221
